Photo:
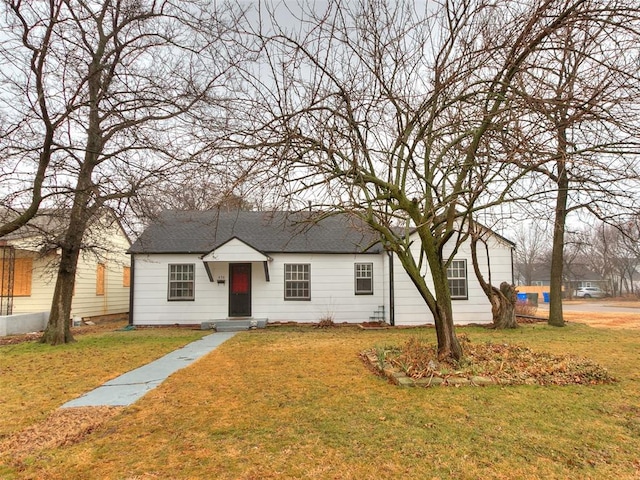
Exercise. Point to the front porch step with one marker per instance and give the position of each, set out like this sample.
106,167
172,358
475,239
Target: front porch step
232,325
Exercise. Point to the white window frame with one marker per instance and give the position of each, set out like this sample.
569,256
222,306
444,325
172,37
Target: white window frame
297,281
182,276
457,275
363,271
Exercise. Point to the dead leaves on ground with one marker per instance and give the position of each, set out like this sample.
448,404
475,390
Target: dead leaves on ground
64,426
506,364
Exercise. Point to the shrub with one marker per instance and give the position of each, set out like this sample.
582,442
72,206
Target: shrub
326,322
525,309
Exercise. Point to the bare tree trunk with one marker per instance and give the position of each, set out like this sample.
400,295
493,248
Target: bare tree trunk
448,344
503,299
503,306
442,311
58,329
439,305
557,252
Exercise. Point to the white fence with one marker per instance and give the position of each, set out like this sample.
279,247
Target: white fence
23,323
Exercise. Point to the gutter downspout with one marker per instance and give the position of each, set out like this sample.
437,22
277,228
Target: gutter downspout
513,278
392,309
132,277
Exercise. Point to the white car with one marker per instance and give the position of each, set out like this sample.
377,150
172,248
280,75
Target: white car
590,292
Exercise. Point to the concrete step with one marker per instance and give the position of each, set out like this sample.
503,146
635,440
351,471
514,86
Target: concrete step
233,325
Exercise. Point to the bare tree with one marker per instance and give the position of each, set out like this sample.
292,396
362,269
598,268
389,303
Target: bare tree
581,95
629,257
29,107
573,259
532,244
195,189
135,81
384,111
614,252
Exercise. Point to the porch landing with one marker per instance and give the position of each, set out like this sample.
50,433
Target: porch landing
233,324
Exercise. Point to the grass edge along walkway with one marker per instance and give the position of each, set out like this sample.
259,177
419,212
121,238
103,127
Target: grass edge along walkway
131,386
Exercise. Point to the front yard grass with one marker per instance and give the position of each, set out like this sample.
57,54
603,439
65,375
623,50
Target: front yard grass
35,379
299,403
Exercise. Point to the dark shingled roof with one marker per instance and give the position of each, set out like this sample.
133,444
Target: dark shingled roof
269,232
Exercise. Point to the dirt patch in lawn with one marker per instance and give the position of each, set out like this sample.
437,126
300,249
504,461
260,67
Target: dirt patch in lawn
63,427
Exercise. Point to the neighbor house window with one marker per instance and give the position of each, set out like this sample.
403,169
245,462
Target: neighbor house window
100,279
22,273
457,276
126,276
181,281
364,278
297,281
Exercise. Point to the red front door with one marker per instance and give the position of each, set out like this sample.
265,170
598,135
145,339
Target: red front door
239,289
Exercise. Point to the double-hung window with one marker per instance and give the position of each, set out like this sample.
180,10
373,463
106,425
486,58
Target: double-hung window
297,281
181,281
364,278
457,277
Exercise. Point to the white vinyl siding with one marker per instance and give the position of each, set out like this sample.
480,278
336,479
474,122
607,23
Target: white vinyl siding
457,277
297,281
364,278
181,281
411,309
330,278
330,275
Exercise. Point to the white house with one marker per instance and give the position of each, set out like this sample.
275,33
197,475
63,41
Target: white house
29,266
193,268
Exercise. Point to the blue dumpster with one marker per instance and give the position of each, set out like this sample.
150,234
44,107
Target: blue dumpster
545,296
522,297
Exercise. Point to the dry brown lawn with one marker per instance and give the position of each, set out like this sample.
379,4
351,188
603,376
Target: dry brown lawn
298,403
605,320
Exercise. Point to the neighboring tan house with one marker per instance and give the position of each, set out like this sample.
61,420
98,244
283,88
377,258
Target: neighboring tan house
29,261
194,268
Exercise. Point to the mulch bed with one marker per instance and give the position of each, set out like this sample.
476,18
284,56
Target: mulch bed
415,363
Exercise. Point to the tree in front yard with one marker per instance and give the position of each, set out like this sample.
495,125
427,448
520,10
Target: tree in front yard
389,112
118,90
579,100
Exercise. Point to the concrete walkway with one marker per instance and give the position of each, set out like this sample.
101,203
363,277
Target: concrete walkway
129,387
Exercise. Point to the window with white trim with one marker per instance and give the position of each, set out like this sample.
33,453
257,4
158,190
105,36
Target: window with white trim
181,281
457,277
297,281
364,278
